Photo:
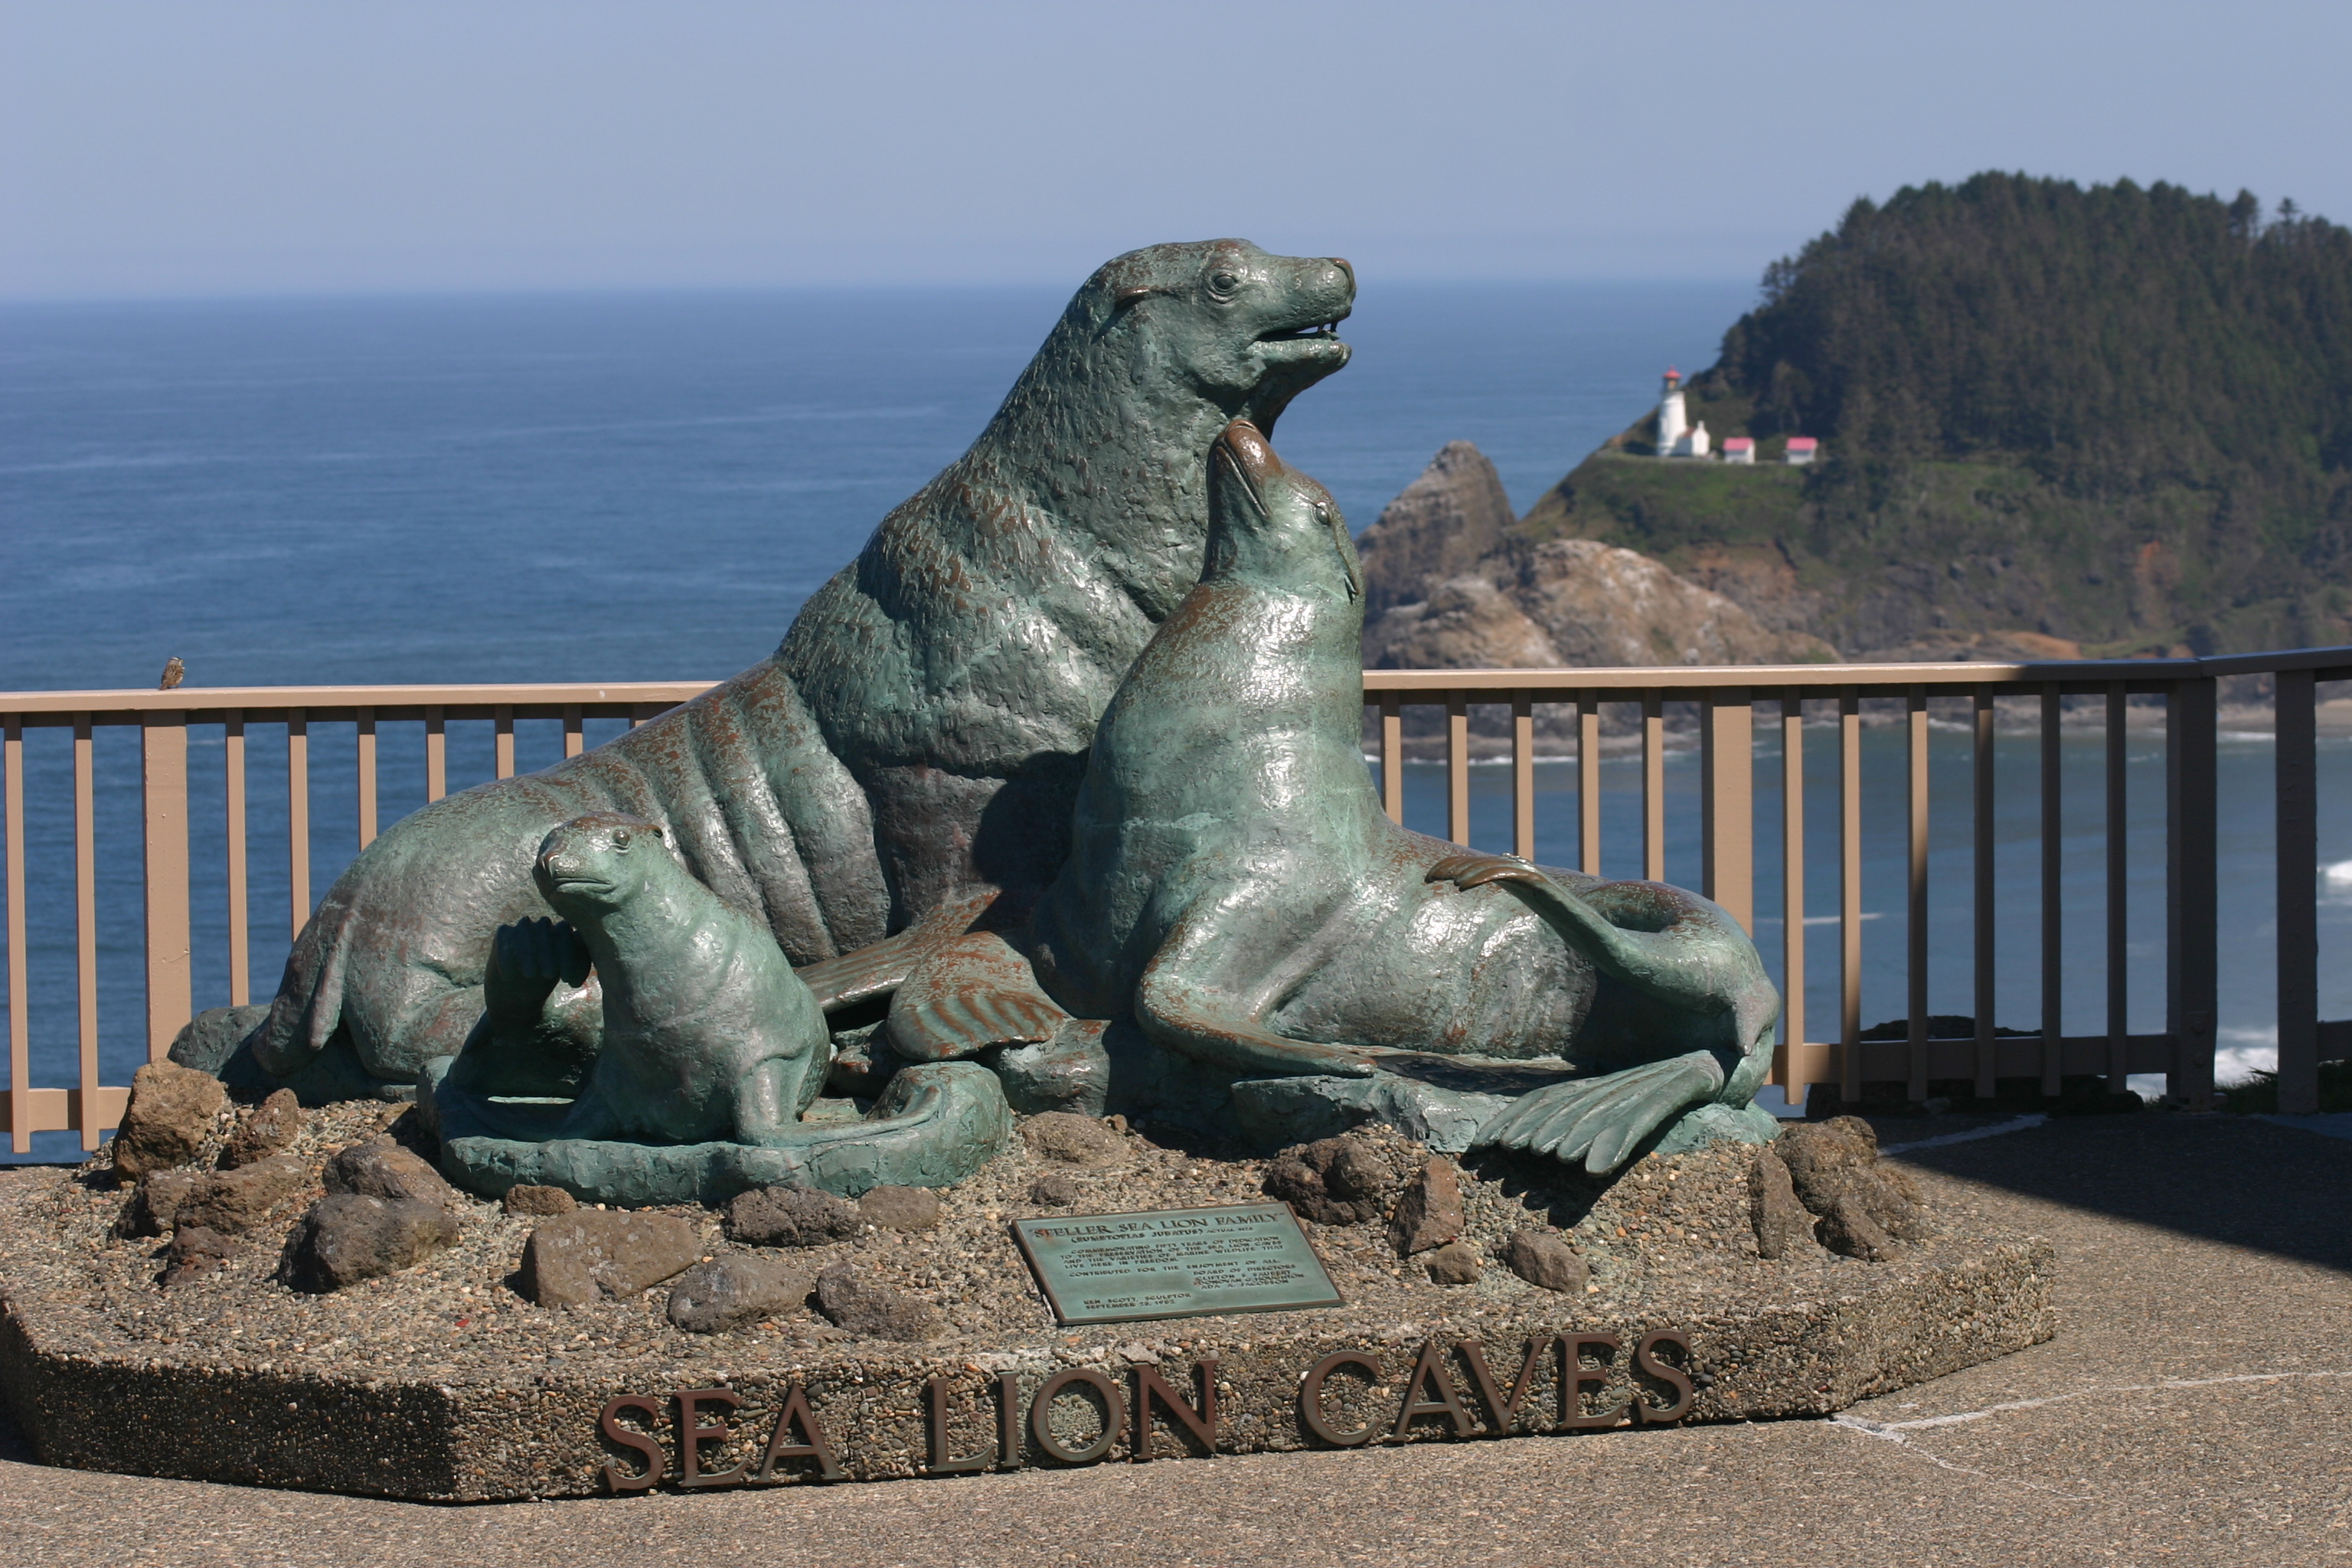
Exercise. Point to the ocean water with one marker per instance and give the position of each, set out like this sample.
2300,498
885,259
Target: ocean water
646,487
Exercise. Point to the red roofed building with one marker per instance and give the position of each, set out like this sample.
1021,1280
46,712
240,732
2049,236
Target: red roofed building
1803,449
1739,449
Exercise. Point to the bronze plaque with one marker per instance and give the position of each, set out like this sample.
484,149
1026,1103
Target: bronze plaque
1175,1263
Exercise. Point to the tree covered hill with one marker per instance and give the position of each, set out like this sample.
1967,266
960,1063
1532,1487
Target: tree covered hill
2119,417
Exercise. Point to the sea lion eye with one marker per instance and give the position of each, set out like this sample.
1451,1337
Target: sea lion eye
1224,284
620,839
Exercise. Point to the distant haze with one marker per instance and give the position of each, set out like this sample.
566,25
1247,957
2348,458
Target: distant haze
155,147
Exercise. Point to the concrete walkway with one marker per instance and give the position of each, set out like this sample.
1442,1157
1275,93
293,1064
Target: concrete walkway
2196,1409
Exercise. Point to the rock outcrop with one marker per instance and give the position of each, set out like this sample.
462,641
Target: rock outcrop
1440,526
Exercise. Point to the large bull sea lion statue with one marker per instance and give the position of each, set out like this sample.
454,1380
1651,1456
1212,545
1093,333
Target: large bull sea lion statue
920,733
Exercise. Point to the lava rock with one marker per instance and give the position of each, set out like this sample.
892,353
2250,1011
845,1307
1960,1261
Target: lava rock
381,1168
1455,1263
863,1307
194,1252
1333,1181
348,1237
1429,1212
235,1202
1850,1228
789,1217
1053,1190
538,1201
1822,1156
262,1131
899,1208
1834,1166
578,1258
167,1120
735,1289
1542,1258
1782,1224
154,1207
1067,1136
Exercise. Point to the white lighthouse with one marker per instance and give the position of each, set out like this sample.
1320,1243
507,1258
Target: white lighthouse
1674,423
1677,436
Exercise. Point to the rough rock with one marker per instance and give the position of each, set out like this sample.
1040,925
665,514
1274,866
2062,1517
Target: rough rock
863,1307
1539,1258
262,1131
538,1201
899,1208
1439,526
576,1259
1429,1211
1455,1263
154,1207
234,1202
789,1217
1850,1228
1782,1224
1066,1135
194,1252
381,1168
1053,1188
349,1237
1333,1181
1834,1170
167,1120
735,1289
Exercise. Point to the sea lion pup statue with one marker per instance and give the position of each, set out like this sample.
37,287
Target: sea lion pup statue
1234,888
710,1042
920,732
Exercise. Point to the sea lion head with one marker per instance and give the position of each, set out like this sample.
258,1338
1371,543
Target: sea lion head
598,862
1271,524
1245,328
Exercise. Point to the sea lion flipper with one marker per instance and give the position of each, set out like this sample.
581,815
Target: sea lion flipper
1211,1026
971,993
1600,1121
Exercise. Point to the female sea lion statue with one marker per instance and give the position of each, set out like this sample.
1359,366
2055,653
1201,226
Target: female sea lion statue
1234,888
922,727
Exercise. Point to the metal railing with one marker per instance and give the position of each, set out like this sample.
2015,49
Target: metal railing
1726,699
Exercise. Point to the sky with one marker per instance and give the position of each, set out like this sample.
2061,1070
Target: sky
238,147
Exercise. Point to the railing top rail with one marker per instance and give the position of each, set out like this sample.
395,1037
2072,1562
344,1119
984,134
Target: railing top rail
219,699
2327,663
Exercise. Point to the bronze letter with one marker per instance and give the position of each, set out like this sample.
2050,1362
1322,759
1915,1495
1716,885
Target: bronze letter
1574,1374
1666,1372
1008,1420
1200,1420
1310,1398
1429,1372
939,1460
656,1465
1041,1410
1503,1413
796,1408
692,1433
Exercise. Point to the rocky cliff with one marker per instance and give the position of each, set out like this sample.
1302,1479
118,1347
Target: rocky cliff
1438,527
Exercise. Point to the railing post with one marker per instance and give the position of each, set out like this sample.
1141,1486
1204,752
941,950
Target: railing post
1915,954
1787,1067
365,759
85,1097
1588,783
240,953
2118,881
1653,787
2192,891
2053,864
1522,775
1985,920
298,817
164,776
2297,787
1457,767
1393,755
1728,814
1850,894
20,1035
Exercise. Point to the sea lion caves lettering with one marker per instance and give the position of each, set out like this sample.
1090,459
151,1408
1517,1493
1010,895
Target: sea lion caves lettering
1083,1416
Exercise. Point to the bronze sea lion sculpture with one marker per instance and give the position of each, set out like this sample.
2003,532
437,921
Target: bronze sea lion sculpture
1235,886
923,726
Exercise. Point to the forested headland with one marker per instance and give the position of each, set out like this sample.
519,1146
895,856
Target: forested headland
2118,418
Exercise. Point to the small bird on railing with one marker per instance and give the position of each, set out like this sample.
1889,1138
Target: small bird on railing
172,673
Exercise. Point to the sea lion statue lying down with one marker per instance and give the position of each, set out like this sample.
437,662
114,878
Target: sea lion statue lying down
1235,889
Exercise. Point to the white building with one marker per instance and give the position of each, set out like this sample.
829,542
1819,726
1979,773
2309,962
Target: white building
1674,423
1694,443
1739,449
1802,449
